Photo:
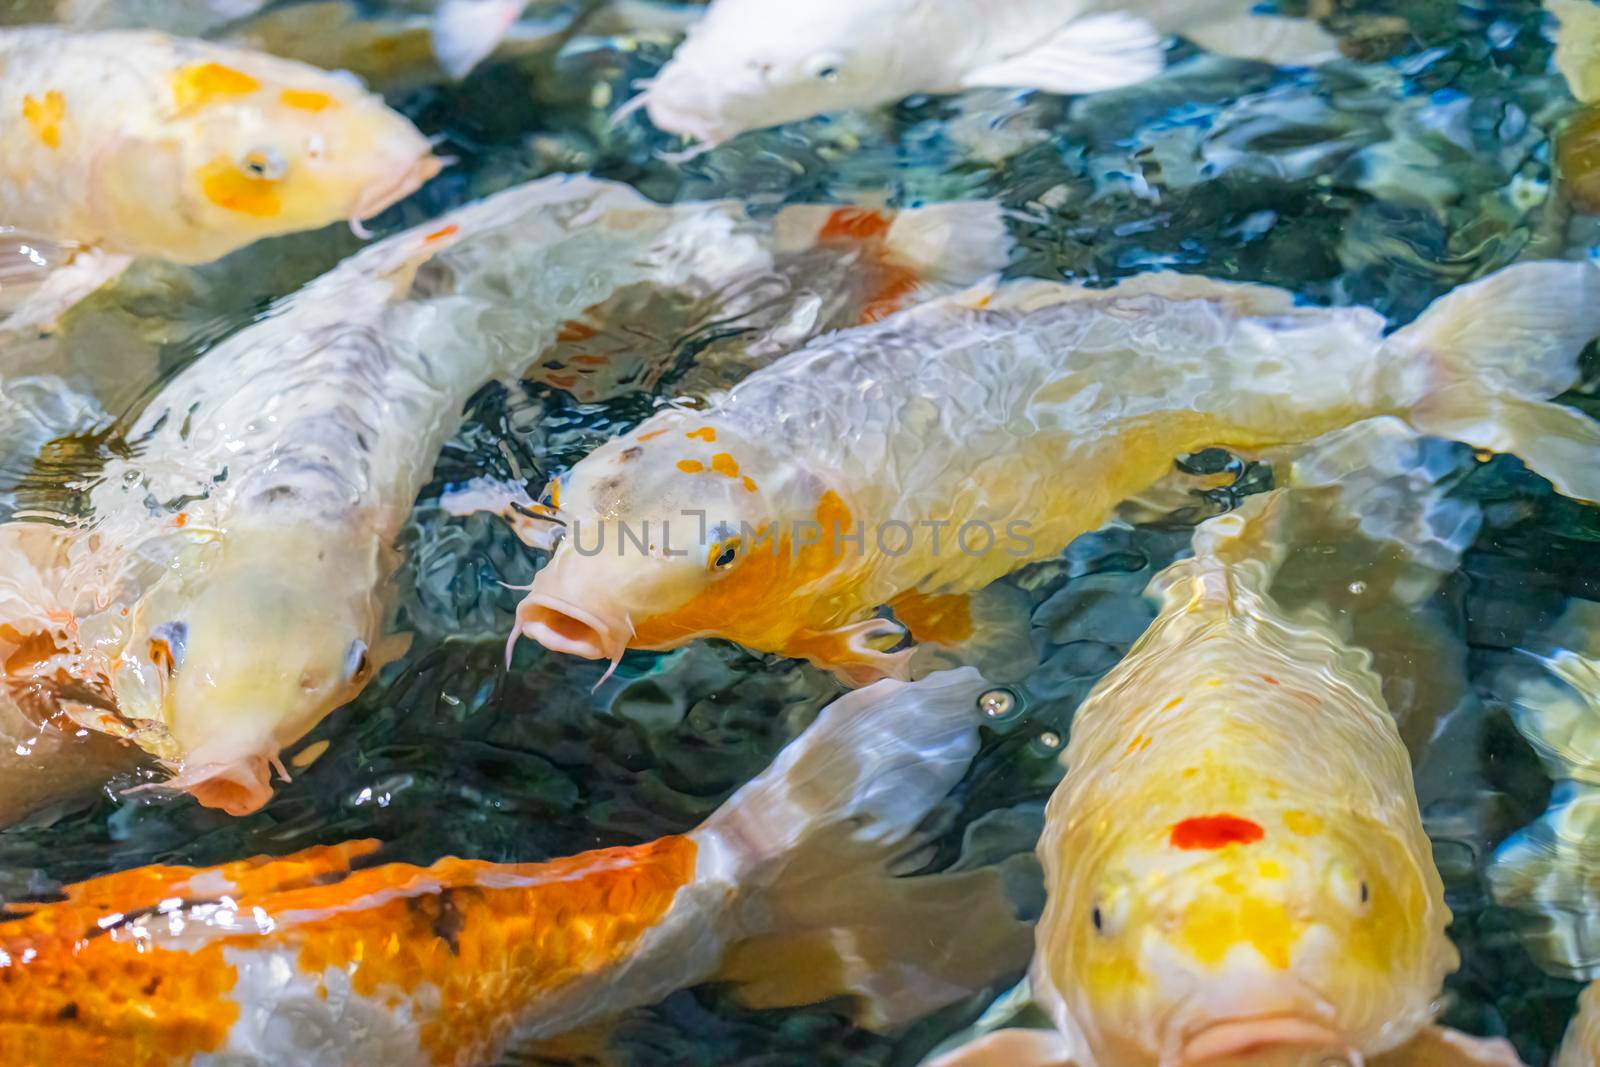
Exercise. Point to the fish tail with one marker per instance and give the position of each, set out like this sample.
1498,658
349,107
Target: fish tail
811,844
1551,868
466,32
1481,364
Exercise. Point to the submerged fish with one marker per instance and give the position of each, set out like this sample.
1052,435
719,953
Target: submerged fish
187,18
912,462
1549,870
320,957
466,32
228,588
1578,46
1235,861
139,144
752,63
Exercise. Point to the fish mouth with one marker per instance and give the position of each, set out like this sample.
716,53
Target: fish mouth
562,626
1236,1040
379,197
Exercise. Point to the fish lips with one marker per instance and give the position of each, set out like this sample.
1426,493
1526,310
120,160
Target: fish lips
1239,1040
562,626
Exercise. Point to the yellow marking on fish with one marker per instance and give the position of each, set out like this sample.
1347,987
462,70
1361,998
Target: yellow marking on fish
310,754
200,85
307,100
705,433
1114,973
231,189
938,620
691,466
1270,869
724,464
1174,702
1303,823
46,116
749,484
652,433
1216,922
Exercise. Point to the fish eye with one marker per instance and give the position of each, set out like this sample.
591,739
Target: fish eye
1098,918
168,642
357,664
556,535
266,164
825,67
1110,912
724,555
1349,888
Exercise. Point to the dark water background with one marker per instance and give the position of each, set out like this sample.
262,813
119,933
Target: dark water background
1385,180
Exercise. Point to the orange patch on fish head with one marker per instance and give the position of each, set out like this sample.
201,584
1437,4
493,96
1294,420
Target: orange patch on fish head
307,100
232,187
202,85
853,224
1214,831
46,114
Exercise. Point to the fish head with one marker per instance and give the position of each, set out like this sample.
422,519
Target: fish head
1270,935
245,649
751,65
258,149
669,535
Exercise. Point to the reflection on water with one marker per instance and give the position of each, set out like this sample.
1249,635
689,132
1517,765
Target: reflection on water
1384,181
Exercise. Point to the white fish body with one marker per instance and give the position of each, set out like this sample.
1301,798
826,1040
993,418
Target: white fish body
189,18
750,64
466,32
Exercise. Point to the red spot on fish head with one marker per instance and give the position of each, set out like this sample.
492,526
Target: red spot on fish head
1214,831
443,232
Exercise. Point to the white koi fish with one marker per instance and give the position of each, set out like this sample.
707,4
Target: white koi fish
187,18
323,958
139,144
1235,861
910,463
226,590
750,64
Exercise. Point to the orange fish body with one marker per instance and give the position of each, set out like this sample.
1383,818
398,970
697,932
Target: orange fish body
322,958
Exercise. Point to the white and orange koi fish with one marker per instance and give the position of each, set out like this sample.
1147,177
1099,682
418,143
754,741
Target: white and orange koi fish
227,589
910,463
321,957
1235,861
140,144
749,64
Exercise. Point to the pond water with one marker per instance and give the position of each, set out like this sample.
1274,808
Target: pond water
1385,180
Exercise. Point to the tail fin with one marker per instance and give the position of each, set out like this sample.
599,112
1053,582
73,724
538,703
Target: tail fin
1492,354
1578,46
466,32
1551,869
955,244
811,842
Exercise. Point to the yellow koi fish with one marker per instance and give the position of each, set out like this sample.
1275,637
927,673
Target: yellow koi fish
1578,46
321,957
1235,861
139,144
909,463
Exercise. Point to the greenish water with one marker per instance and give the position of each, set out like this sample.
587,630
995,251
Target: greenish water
1383,181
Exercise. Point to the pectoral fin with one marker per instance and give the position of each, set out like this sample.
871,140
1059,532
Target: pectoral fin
1436,1046
1009,1048
41,280
1090,54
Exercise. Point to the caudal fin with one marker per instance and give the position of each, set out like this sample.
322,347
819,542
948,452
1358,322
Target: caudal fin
466,32
1482,363
812,844
1551,869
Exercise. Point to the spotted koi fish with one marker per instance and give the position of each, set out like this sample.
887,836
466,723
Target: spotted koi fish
910,463
126,144
1235,861
324,958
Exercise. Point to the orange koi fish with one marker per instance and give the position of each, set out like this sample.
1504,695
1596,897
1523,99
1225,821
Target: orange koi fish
912,462
321,958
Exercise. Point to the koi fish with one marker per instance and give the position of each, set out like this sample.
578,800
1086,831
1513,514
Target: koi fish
1578,159
912,462
750,64
466,32
1235,862
1578,46
1581,1045
321,957
187,18
1546,870
139,144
